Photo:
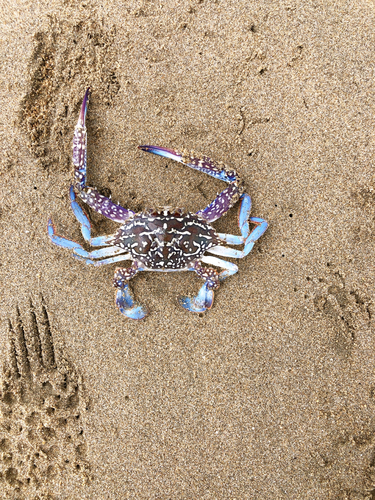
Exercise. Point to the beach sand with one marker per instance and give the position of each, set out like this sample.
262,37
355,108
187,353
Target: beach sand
271,393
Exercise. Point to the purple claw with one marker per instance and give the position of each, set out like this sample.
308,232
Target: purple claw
224,200
82,115
88,194
80,145
221,204
165,152
204,164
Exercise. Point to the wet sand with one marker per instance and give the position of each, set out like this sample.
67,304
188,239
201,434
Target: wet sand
271,393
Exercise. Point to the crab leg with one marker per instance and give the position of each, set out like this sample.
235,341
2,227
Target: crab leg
226,199
81,216
124,298
78,251
99,254
229,267
232,239
201,302
90,195
205,297
104,262
243,217
204,164
249,243
243,222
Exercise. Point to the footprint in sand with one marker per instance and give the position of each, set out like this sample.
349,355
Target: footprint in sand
42,402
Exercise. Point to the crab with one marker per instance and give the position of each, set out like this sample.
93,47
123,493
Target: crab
160,240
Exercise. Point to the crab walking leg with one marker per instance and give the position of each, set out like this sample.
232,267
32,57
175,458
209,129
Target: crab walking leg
249,243
232,239
244,214
76,247
82,218
205,297
229,267
60,240
90,195
124,298
243,222
99,254
104,262
226,199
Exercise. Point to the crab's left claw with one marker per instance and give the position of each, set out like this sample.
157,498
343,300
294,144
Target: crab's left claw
127,306
201,302
82,115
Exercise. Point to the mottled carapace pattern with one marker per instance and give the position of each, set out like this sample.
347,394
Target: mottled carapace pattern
166,239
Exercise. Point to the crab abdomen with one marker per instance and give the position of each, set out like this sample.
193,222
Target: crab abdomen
166,240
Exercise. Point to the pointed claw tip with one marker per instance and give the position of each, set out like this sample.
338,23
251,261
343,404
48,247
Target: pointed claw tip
165,152
82,114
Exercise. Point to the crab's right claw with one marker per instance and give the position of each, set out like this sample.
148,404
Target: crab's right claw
201,302
127,306
165,152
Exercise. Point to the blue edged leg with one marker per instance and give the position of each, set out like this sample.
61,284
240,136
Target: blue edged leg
243,218
60,240
82,218
249,243
232,239
255,234
124,298
205,297
229,267
243,221
80,253
85,228
104,262
127,306
201,302
249,238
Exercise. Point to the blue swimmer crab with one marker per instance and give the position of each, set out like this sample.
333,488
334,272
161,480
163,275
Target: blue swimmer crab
160,240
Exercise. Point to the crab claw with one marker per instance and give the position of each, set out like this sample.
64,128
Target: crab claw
127,306
82,116
201,302
165,152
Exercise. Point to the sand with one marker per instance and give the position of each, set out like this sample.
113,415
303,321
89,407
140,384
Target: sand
271,393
